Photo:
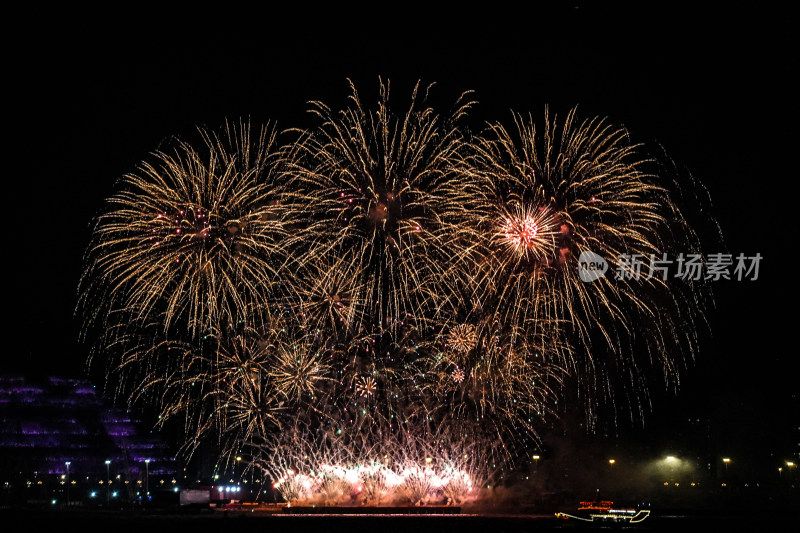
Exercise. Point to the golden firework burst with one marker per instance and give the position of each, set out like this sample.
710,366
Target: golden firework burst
366,386
462,337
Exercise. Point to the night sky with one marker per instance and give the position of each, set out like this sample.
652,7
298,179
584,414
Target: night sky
711,88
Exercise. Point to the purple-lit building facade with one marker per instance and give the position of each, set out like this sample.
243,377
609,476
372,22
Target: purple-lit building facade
48,423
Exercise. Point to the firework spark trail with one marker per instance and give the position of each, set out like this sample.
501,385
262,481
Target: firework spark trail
549,194
298,368
194,237
413,467
329,296
322,305
373,187
219,390
503,387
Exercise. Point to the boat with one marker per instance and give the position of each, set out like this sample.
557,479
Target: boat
606,511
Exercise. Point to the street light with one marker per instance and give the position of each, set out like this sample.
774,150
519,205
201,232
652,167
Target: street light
727,461
67,463
611,463
671,461
108,481
147,480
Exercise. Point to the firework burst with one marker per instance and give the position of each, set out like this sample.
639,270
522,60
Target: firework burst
299,368
550,194
503,387
329,296
194,237
462,337
325,305
527,233
366,386
373,186
412,467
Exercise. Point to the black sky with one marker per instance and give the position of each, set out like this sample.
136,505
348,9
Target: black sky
89,102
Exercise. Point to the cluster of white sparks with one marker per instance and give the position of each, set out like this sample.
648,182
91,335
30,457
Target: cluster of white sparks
375,483
415,468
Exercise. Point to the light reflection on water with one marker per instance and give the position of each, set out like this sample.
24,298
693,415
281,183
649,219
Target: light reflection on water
199,522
